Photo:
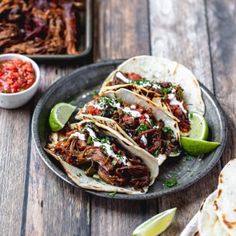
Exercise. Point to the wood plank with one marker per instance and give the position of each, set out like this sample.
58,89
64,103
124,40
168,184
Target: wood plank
52,206
122,29
179,32
14,134
123,32
221,16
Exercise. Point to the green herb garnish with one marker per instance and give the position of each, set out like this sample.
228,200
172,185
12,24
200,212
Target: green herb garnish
166,91
167,129
171,182
142,127
94,93
114,162
108,101
141,82
156,153
97,179
188,158
151,121
112,194
89,140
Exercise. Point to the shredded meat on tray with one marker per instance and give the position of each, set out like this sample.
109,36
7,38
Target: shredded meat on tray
111,168
39,27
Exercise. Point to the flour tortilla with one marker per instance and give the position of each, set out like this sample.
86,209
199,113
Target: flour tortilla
159,69
79,177
226,198
218,214
133,98
205,222
208,221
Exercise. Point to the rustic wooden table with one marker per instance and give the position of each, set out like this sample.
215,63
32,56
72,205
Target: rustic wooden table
201,35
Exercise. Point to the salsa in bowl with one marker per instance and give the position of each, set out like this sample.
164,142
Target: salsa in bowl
19,80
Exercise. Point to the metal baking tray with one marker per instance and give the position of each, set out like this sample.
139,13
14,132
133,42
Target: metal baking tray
85,46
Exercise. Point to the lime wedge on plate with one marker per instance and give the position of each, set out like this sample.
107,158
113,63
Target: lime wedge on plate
156,225
199,127
59,115
197,147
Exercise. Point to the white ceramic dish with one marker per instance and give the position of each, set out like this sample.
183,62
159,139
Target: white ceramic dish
15,100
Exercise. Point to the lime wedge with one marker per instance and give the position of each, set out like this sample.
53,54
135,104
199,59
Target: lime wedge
156,225
199,127
197,147
59,115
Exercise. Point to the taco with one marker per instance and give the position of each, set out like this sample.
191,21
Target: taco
217,216
138,120
162,81
97,158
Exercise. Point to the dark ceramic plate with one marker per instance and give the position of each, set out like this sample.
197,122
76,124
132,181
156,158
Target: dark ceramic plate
77,88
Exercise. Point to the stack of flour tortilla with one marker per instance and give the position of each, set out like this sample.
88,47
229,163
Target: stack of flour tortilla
217,215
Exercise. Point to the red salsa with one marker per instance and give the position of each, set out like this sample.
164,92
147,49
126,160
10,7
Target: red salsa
16,76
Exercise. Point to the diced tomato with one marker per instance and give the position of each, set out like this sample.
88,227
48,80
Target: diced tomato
16,76
142,118
134,76
93,110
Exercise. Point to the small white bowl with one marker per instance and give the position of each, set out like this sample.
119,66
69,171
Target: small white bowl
15,100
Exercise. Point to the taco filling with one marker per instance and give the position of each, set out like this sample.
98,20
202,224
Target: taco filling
100,156
138,123
169,93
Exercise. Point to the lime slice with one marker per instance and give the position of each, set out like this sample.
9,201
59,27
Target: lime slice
197,147
59,115
156,225
199,127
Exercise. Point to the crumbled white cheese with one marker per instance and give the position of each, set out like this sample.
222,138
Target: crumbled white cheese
174,101
132,112
120,76
144,140
78,135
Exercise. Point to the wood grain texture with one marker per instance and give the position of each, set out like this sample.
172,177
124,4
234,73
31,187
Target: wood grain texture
221,15
14,130
122,32
53,207
121,28
179,32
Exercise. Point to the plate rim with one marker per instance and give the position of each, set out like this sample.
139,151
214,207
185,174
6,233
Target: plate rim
50,164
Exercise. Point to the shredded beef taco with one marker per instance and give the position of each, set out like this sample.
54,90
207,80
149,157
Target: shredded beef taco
164,82
97,158
138,120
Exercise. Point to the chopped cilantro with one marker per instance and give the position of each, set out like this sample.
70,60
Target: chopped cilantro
140,82
142,127
156,153
94,93
151,121
166,90
97,179
89,140
171,182
167,129
104,140
114,162
112,194
188,158
108,101
190,115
